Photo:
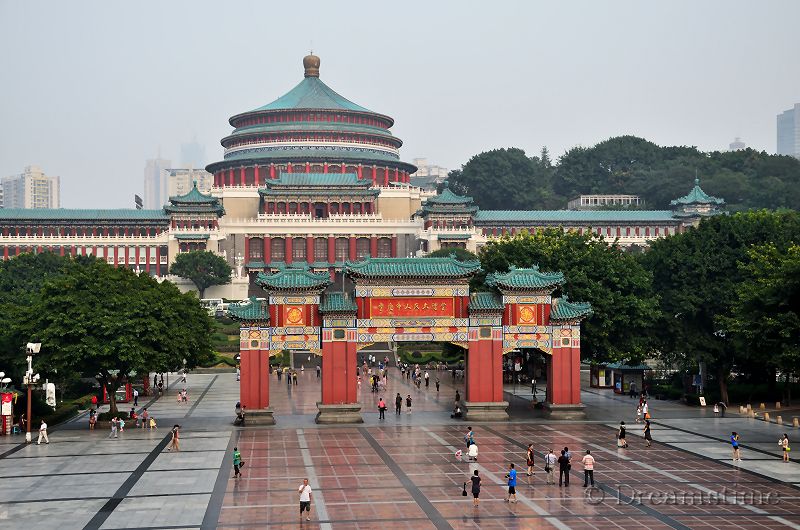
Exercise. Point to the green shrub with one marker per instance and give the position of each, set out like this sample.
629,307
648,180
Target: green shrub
106,416
228,347
61,414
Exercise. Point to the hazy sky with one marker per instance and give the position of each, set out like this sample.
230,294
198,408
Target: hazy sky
90,90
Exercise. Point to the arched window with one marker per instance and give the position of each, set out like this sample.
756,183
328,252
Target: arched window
278,250
292,207
334,207
281,207
299,249
321,249
356,207
384,247
362,247
256,252
342,249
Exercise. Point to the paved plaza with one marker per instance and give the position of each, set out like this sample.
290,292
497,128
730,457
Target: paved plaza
400,472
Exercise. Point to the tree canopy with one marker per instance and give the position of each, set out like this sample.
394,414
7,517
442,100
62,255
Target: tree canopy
96,320
508,179
702,277
616,285
203,268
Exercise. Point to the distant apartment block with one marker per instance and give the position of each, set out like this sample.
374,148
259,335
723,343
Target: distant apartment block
737,145
31,189
788,125
428,175
591,202
181,181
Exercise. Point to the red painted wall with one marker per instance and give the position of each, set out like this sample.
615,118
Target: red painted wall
339,372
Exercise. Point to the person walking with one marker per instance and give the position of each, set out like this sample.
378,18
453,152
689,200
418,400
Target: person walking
512,483
114,427
469,438
305,499
588,469
381,409
648,438
237,463
398,404
43,434
437,384
550,462
645,410
279,373
458,398
319,372
294,377
621,442
476,487
408,404
784,444
735,445
427,379
563,469
529,459
175,444
145,418
135,398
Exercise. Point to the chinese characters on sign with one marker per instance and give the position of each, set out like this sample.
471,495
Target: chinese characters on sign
412,307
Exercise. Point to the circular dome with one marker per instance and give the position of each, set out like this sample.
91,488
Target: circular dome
311,65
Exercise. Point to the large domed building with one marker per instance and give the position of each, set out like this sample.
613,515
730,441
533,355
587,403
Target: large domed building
311,180
310,129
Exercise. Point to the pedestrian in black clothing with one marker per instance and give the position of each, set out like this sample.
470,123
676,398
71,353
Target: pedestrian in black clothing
398,404
563,469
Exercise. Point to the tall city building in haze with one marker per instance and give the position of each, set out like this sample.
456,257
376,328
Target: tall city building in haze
428,175
789,132
155,185
31,189
193,155
180,181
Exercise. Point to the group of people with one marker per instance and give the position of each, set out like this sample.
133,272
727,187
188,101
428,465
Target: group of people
183,397
291,375
622,441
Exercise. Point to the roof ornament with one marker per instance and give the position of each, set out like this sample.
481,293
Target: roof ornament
311,65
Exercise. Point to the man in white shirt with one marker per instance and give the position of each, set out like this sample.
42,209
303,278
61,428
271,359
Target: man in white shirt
43,433
588,468
305,499
550,461
135,398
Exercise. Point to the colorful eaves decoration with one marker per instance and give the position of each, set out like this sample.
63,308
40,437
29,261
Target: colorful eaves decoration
293,280
525,279
565,311
337,303
412,268
250,310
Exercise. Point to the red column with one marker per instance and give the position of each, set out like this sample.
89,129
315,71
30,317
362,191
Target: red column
394,246
309,249
339,381
254,378
374,176
267,249
325,167
288,257
127,251
246,248
352,248
386,176
147,259
331,250
116,256
484,370
344,167
360,174
241,176
5,252
564,376
158,261
272,171
289,167
373,246
136,266
230,178
255,176
308,167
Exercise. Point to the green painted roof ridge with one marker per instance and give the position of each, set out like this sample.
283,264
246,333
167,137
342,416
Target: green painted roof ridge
81,213
250,309
312,93
194,196
525,278
293,278
337,302
575,216
413,267
697,196
448,197
563,309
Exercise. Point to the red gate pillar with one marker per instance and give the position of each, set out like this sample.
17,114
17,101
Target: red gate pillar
564,376
484,393
339,384
254,379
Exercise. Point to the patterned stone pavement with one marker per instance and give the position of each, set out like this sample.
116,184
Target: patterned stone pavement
400,472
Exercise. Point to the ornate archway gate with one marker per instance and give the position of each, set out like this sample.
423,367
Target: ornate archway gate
411,299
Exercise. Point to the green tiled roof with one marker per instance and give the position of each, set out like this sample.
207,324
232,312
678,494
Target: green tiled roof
578,217
697,196
627,367
453,236
485,301
193,197
252,309
337,302
448,197
318,180
123,214
191,236
312,93
329,153
412,268
520,279
310,126
293,279
563,309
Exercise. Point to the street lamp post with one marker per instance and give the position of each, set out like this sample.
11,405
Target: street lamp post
30,379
